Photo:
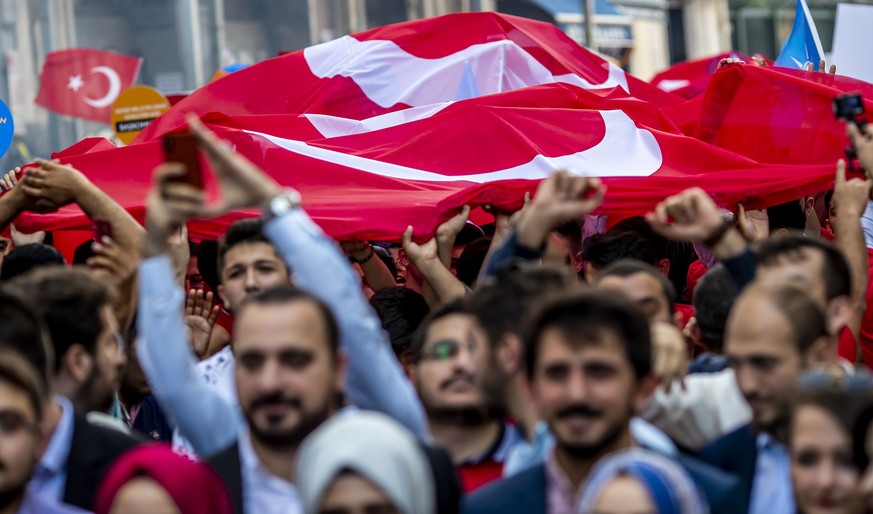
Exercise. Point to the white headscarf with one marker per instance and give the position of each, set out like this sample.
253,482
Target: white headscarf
373,446
667,482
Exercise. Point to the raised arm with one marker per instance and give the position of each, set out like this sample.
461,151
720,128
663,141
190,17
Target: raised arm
209,422
375,378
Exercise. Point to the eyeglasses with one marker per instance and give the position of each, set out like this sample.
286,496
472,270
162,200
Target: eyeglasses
12,423
447,349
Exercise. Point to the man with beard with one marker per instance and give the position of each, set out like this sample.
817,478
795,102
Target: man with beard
89,351
449,352
77,453
288,371
774,333
22,437
589,359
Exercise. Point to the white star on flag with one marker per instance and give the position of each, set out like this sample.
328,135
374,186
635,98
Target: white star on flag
75,83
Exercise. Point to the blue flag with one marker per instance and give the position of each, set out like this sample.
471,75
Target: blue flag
803,45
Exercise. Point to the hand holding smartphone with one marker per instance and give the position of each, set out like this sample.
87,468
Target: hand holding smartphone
182,148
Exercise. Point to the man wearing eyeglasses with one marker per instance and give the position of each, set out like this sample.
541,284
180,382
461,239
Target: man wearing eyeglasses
449,352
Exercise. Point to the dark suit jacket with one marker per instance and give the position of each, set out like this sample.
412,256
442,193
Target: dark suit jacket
94,448
735,453
228,466
526,492
523,493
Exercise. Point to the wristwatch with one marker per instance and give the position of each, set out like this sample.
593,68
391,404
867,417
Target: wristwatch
282,204
728,220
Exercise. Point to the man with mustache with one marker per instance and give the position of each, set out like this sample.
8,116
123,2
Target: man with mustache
449,354
588,359
289,344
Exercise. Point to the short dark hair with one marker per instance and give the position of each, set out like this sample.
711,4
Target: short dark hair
503,304
835,270
639,225
582,318
804,315
249,230
207,261
471,259
788,215
458,306
69,300
627,267
713,298
83,252
601,250
16,371
27,257
401,311
22,330
284,294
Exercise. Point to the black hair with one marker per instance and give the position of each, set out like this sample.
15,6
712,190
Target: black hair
601,250
581,318
70,301
502,304
285,294
401,311
17,372
627,267
713,298
25,258
471,259
835,269
249,230
207,263
83,252
789,215
22,330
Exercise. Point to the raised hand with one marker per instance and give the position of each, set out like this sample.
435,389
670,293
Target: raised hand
447,233
669,354
862,139
10,179
357,250
420,255
821,67
112,263
753,225
690,215
169,206
21,239
243,185
53,184
850,196
200,316
560,198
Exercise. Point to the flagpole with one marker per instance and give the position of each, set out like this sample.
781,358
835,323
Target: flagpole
588,14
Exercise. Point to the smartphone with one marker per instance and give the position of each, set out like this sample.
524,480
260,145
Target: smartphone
101,229
182,148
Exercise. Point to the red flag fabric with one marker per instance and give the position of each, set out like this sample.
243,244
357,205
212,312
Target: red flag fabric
369,180
84,83
689,79
777,115
409,64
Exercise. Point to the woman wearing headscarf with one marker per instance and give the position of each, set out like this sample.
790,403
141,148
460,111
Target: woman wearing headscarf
152,479
640,481
364,462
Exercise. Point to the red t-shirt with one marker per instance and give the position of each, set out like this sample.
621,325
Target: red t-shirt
488,467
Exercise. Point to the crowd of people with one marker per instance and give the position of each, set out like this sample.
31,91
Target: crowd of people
554,361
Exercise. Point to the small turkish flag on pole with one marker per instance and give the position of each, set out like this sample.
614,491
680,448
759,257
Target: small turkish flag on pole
84,83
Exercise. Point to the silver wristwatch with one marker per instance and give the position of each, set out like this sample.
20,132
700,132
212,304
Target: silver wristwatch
282,204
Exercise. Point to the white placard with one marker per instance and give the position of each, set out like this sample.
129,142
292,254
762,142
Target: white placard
851,51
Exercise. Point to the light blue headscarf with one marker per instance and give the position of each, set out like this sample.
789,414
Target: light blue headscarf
667,483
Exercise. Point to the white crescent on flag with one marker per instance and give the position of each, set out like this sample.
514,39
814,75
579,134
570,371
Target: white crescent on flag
389,75
114,88
625,151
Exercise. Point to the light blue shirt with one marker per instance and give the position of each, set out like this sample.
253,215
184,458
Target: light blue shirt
50,476
37,505
525,455
771,486
375,380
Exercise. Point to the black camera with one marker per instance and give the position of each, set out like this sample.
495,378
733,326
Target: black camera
849,107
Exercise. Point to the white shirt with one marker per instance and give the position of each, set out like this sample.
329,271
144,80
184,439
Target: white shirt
264,493
217,373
